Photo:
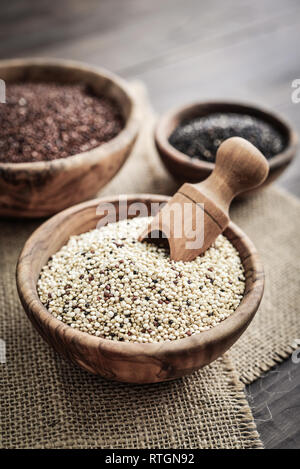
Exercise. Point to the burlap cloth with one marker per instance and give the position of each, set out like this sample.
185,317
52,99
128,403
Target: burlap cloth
49,403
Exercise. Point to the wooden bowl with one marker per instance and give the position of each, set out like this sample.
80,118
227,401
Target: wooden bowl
42,188
184,169
123,361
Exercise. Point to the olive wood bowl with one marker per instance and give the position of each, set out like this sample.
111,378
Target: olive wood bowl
37,189
124,361
186,169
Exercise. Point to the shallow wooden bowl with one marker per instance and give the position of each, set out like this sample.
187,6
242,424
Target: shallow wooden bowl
184,169
123,361
43,188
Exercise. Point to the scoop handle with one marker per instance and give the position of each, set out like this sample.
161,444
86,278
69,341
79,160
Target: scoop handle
240,166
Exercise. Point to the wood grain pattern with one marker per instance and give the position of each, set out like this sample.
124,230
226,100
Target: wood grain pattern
185,169
43,188
210,49
239,167
129,362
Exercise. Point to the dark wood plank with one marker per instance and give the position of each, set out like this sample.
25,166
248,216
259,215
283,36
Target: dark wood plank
260,69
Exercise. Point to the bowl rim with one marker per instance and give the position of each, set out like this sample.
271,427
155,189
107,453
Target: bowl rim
26,286
124,137
162,136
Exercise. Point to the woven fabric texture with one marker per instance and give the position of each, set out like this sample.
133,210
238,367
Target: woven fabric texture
49,403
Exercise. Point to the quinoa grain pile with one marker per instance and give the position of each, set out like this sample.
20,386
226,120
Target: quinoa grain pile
108,284
47,121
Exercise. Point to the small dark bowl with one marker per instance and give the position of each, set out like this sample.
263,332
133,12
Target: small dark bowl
184,169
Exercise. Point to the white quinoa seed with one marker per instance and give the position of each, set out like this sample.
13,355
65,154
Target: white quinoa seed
106,283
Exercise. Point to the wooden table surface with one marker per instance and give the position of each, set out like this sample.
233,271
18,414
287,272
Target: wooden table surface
185,50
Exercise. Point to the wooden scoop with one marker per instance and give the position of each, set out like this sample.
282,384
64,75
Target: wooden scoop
198,213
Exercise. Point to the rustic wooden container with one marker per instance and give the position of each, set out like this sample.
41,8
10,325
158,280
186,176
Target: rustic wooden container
129,362
42,188
184,169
